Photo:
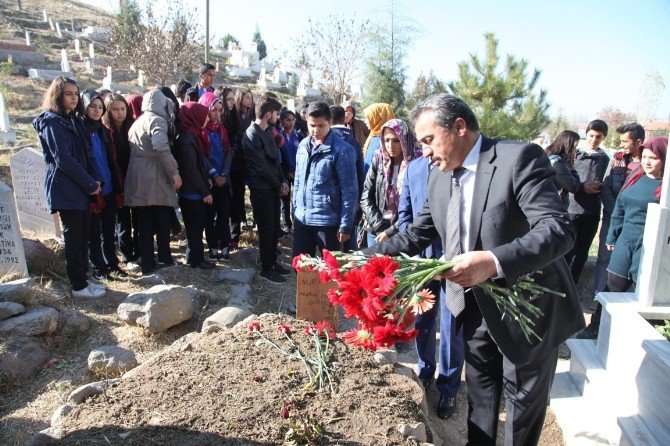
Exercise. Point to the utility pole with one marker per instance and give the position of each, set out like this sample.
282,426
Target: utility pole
206,31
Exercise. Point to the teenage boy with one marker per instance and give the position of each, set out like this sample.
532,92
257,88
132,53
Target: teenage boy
267,184
325,189
207,74
584,207
288,152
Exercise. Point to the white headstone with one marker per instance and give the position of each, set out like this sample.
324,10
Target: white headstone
77,45
64,64
28,167
6,133
89,65
12,257
140,78
231,46
245,62
58,32
109,73
27,38
51,24
290,104
46,16
107,83
263,75
91,51
217,65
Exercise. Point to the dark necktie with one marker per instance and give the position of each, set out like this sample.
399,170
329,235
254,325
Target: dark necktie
455,298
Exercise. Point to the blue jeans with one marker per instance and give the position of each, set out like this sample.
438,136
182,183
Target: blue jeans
451,349
307,239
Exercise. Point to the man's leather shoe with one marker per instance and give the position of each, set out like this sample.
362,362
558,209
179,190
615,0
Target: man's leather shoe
427,381
446,406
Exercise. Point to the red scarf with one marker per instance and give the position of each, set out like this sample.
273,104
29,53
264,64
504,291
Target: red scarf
192,117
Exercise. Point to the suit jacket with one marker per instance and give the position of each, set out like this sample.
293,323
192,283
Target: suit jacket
518,216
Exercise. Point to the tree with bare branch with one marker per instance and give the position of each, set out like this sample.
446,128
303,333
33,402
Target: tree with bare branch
334,47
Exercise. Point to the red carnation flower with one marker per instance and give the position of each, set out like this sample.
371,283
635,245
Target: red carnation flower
255,326
333,296
331,263
324,328
388,334
379,272
283,328
360,337
297,262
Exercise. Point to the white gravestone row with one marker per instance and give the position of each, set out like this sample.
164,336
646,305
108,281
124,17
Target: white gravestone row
28,167
6,133
12,257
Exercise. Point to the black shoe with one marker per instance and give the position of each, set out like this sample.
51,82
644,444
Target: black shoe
117,274
213,255
165,264
446,406
279,269
272,276
205,265
590,332
427,381
283,233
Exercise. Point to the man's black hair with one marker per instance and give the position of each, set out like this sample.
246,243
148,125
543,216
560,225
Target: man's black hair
267,104
336,114
182,86
447,108
206,67
635,130
597,125
319,109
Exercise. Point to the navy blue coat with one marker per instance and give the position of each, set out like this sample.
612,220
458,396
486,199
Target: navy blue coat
70,175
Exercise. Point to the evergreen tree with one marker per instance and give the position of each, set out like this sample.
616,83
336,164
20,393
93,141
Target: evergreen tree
223,43
385,68
260,44
425,87
505,102
558,125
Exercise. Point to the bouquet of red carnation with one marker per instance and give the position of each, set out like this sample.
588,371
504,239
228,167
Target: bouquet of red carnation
385,294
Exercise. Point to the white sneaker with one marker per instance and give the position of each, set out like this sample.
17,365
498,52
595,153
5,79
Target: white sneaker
89,293
133,267
96,285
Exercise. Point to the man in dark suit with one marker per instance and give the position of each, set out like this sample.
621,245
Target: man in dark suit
451,349
511,223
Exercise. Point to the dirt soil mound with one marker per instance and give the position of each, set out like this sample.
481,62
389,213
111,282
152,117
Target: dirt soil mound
226,388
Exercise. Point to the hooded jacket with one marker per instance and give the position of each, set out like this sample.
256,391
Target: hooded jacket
70,176
149,181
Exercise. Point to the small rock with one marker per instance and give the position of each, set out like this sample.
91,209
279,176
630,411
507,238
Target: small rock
9,309
416,431
248,255
386,356
157,308
225,318
111,360
236,302
47,437
60,414
245,275
151,280
80,394
17,290
32,323
74,321
246,321
242,292
22,358
38,256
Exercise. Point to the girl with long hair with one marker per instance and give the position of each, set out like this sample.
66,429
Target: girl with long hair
562,157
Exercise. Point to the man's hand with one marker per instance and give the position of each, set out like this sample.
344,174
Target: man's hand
342,237
177,181
220,180
610,247
592,187
208,199
97,190
284,189
472,269
381,237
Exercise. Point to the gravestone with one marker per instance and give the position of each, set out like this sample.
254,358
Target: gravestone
217,66
28,167
653,284
27,38
46,16
91,51
312,303
140,78
47,75
64,64
107,80
290,104
51,24
77,46
59,33
6,133
12,258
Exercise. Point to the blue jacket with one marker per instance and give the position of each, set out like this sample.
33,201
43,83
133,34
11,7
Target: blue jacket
70,176
412,197
348,136
326,186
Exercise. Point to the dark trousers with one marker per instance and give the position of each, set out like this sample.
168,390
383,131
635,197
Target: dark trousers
237,211
76,229
265,203
175,224
604,255
451,349
286,209
586,227
488,374
126,229
615,283
307,239
102,241
154,220
217,226
195,214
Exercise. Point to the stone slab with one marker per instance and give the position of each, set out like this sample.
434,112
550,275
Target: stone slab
35,322
242,276
12,257
9,309
653,283
28,167
22,57
47,75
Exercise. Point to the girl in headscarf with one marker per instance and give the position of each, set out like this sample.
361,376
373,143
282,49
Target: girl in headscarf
624,238
191,152
135,105
383,183
217,226
375,117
